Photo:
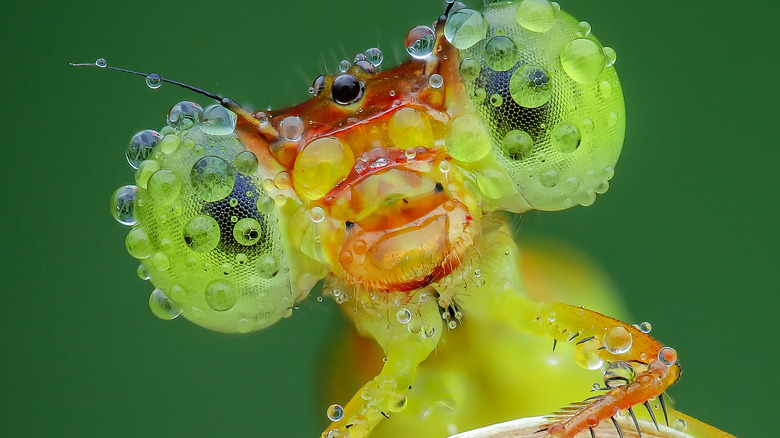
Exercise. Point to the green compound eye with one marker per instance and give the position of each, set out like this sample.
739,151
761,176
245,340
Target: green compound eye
550,97
203,227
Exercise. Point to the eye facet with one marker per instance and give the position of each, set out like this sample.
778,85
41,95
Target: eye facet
346,89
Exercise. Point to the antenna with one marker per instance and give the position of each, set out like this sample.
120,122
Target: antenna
154,81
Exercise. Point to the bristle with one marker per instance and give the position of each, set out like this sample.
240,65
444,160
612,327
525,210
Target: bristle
555,343
581,341
652,415
617,427
636,423
592,433
663,408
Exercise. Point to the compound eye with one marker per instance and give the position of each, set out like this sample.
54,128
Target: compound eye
317,85
346,89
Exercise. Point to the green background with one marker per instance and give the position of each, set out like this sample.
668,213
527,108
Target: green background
688,231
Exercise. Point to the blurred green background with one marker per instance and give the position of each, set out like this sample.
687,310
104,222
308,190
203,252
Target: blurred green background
688,231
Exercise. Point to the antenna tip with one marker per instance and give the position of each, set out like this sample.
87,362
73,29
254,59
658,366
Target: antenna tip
101,62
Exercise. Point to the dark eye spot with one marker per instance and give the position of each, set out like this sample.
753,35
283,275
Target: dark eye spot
439,188
349,224
346,89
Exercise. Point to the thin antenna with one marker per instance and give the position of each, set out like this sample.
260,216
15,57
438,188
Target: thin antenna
154,80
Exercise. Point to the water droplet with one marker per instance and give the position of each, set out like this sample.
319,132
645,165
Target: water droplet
153,81
142,273
201,233
141,146
101,63
501,53
427,331
267,266
221,295
212,178
680,424
610,55
496,100
536,15
247,231
583,29
218,120
566,137
184,114
245,163
138,244
645,327
595,387
335,412
420,42
123,205
435,80
552,316
617,340
374,56
444,166
549,178
464,28
403,315
480,94
291,128
164,186
587,126
162,306
244,325
530,86
468,141
605,88
161,262
517,144
612,119
344,65
470,69
410,153
582,60
619,374
317,214
452,324
586,355
667,355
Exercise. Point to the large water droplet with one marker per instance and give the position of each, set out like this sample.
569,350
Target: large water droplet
610,55
586,355
470,69
162,306
667,355
549,178
201,233
517,144
212,178
501,53
335,412
420,42
583,60
153,81
184,114
427,331
247,231
530,86
435,80
464,28
221,295
374,56
619,374
164,186
536,15
566,137
291,128
403,315
218,120
467,141
138,244
317,214
245,163
141,146
617,340
267,266
123,205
